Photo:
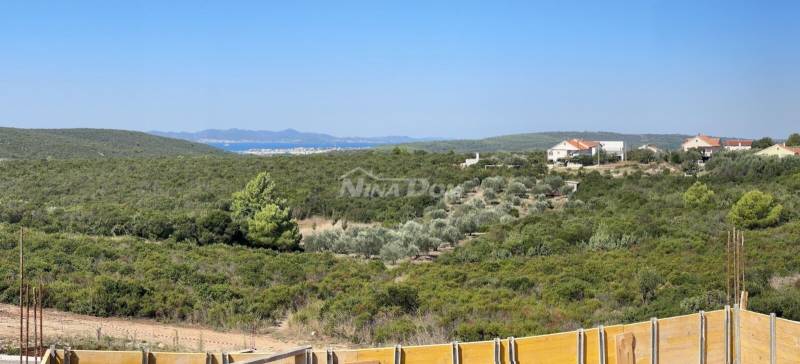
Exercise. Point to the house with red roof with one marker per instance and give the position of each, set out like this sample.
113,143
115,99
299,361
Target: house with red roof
704,143
738,144
572,148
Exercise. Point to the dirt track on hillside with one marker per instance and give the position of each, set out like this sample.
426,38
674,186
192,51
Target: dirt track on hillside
63,324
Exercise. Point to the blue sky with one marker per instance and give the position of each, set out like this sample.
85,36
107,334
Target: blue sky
433,68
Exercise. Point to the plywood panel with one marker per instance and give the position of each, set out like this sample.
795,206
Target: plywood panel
178,358
679,339
611,343
428,354
641,340
103,357
382,355
715,337
548,349
754,337
481,352
788,341
624,349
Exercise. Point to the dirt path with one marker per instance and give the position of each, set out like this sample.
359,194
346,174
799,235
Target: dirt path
58,323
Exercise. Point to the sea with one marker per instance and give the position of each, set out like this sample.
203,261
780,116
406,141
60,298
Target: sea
288,148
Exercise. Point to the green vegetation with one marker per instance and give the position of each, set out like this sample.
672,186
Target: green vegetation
92,144
699,195
794,140
149,237
542,141
755,209
265,215
190,198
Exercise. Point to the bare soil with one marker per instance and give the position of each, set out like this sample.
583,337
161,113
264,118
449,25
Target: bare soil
158,335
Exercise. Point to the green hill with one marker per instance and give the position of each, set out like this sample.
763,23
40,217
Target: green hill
92,143
540,141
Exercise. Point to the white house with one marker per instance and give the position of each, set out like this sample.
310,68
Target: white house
571,148
471,161
738,144
706,144
576,147
614,148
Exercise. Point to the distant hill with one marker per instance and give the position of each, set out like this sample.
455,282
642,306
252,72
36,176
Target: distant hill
544,140
92,143
288,136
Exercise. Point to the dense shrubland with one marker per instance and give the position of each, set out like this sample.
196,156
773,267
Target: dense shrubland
622,249
189,199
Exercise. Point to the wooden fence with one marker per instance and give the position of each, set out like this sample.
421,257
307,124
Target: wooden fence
728,336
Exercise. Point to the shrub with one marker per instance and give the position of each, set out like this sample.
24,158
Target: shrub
648,280
517,189
755,209
497,183
698,195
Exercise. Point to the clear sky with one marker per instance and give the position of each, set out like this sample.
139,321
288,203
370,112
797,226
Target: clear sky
428,68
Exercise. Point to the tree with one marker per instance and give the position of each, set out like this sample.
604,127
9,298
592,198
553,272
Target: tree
272,227
269,223
794,140
649,280
698,195
763,143
259,192
754,210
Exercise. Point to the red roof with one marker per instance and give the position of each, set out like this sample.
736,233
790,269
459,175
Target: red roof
582,144
739,142
712,142
795,150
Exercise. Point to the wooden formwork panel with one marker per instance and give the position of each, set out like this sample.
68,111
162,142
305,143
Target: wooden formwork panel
481,352
679,339
548,349
679,342
715,337
103,357
788,341
427,354
176,358
382,355
641,341
754,341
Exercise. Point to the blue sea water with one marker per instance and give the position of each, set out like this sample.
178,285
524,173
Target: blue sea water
241,147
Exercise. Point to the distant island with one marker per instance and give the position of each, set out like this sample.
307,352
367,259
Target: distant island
287,136
288,141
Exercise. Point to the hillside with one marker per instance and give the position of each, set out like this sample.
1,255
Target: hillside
544,140
283,136
92,143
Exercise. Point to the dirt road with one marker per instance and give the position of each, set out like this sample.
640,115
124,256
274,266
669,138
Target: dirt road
63,324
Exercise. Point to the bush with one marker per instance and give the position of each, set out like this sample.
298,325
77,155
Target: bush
755,209
698,195
497,184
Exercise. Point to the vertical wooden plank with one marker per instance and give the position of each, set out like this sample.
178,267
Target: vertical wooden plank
754,337
715,337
